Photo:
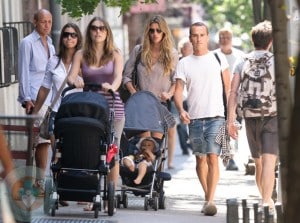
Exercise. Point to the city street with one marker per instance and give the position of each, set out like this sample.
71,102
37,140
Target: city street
184,197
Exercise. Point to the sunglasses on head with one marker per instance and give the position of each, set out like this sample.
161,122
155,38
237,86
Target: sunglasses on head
95,28
67,34
155,30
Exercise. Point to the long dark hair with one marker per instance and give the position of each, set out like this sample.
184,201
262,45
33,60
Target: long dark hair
61,47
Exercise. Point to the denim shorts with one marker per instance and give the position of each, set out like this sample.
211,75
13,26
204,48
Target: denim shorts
202,133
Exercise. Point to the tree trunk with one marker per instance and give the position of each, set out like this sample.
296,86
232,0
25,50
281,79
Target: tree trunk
284,104
293,155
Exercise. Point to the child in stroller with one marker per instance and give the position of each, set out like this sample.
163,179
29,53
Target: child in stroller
149,121
142,158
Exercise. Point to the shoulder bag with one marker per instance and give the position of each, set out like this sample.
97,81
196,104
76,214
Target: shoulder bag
44,127
123,91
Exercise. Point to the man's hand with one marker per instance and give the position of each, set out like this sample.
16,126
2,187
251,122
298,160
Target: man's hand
232,130
185,117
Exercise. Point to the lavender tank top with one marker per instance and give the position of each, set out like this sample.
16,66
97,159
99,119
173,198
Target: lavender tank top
99,76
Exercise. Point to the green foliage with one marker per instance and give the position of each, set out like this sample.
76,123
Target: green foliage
78,8
237,14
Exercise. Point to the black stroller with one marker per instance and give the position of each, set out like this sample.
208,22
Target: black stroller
144,112
83,152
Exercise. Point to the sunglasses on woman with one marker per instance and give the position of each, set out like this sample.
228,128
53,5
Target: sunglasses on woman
100,28
67,34
155,30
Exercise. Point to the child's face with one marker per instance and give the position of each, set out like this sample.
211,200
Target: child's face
147,145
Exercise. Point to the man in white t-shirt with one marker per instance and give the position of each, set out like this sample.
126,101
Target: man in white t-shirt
201,74
232,55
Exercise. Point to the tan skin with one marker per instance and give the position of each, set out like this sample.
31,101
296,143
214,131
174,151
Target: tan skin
147,149
207,167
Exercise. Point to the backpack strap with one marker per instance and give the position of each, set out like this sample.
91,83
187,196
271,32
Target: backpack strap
224,94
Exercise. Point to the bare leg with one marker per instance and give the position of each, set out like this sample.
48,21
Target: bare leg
212,175
142,169
258,173
41,158
128,163
202,171
268,178
113,175
171,145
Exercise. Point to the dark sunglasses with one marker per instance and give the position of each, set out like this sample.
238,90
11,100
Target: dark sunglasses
153,30
67,34
95,28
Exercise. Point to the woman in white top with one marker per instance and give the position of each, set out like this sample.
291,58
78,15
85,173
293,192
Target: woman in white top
57,69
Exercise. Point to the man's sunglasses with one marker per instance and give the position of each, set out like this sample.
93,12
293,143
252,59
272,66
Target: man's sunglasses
95,28
67,34
153,30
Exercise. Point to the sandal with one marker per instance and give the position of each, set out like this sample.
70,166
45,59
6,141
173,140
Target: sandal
89,207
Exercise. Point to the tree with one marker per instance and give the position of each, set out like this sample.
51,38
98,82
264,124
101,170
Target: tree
78,8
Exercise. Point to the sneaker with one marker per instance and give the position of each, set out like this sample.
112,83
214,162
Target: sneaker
231,165
210,209
204,206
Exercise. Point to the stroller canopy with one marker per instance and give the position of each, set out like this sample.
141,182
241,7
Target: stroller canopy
90,105
144,112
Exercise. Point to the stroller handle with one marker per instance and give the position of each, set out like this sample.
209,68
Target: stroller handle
88,87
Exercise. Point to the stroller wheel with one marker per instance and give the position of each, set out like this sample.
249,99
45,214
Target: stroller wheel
162,200
48,191
146,203
111,199
118,201
53,211
155,203
96,212
125,200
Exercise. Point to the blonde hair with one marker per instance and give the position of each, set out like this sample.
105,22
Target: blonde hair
166,51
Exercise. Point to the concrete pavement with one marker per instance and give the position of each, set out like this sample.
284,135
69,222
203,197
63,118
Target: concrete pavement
184,197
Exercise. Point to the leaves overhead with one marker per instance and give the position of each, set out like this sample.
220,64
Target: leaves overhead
79,8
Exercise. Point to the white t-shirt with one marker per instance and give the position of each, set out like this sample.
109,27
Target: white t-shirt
232,58
202,76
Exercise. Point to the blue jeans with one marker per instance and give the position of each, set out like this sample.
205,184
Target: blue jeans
203,133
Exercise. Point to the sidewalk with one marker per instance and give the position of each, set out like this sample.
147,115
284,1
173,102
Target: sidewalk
184,197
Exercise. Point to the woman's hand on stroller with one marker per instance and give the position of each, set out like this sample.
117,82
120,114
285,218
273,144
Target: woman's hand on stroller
77,82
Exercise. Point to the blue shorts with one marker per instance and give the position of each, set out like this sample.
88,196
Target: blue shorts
51,122
202,133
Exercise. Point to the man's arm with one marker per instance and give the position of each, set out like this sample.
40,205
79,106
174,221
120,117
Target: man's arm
178,95
232,105
23,76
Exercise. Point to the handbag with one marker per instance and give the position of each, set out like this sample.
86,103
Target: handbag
44,126
123,91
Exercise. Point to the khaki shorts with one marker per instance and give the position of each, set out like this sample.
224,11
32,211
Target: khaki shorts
39,140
